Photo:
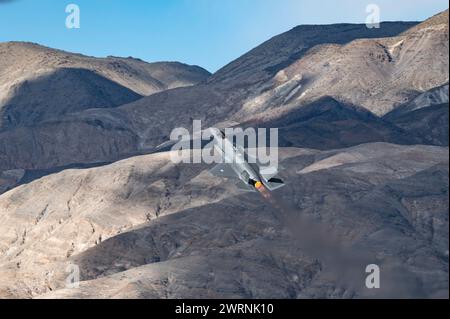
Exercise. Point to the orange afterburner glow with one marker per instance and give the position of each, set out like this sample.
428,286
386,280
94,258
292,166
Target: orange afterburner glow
258,185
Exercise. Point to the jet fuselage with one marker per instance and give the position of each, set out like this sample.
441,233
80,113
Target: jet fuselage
236,158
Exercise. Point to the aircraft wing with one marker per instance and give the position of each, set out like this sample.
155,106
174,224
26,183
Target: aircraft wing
270,177
268,172
223,170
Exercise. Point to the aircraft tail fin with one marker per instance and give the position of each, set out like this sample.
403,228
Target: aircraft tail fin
274,183
245,187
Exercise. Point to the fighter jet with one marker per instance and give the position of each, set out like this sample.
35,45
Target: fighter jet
251,176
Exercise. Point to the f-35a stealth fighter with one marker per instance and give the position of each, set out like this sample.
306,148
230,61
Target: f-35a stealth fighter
251,175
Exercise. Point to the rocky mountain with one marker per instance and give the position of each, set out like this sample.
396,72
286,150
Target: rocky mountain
363,122
147,228
63,91
329,124
376,74
426,117
435,96
39,83
349,63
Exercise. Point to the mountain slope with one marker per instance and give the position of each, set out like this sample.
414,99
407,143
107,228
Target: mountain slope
377,74
60,92
377,202
426,117
328,124
22,60
265,61
429,124
37,83
267,83
435,96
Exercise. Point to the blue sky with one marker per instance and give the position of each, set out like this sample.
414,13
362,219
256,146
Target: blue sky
209,33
